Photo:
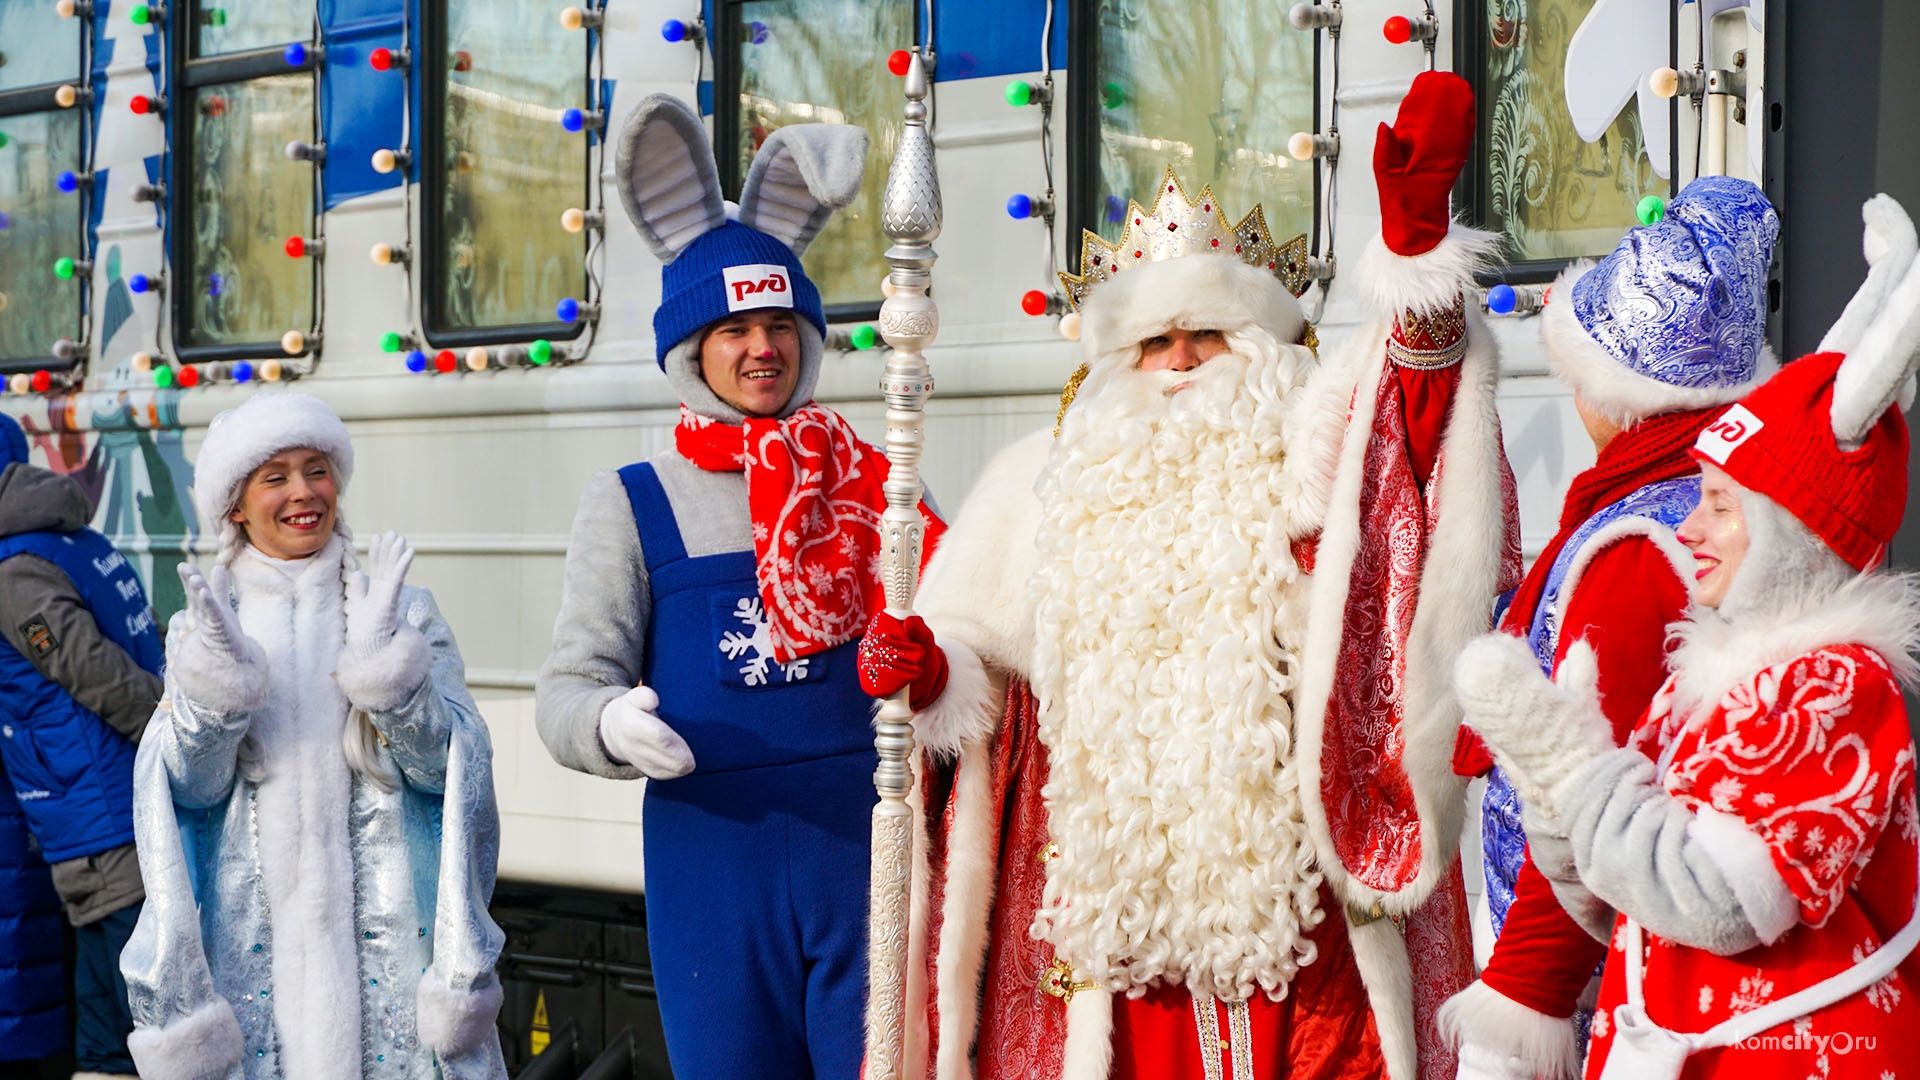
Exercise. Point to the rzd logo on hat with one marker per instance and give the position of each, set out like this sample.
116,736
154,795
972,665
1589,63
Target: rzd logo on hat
1724,435
757,285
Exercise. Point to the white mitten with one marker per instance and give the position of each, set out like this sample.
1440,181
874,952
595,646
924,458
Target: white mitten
218,666
1540,731
633,735
386,660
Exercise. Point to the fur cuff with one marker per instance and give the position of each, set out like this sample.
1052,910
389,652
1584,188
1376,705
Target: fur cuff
1746,861
387,678
454,1021
1494,1030
203,1045
968,710
218,683
1426,283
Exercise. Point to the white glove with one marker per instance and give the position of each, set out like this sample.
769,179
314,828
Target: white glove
373,595
1540,731
218,665
633,735
1485,1063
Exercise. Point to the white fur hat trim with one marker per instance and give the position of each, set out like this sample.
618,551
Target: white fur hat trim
1194,292
243,437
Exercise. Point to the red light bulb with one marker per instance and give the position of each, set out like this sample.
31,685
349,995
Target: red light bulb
1399,30
382,58
444,361
899,62
463,61
141,104
296,246
188,376
1034,302
41,381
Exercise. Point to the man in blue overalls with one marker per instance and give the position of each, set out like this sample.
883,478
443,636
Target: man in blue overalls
79,677
713,601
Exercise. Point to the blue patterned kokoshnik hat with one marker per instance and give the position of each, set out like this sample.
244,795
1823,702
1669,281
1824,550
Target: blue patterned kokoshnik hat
1676,317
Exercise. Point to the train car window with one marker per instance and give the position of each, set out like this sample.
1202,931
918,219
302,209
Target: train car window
1552,195
242,25
799,61
34,42
42,219
510,141
1219,108
245,205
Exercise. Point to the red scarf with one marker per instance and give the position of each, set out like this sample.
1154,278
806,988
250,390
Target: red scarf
1650,451
815,497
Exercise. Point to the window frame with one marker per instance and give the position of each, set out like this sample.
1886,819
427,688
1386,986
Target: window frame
726,127
186,75
1473,192
1083,136
430,62
34,100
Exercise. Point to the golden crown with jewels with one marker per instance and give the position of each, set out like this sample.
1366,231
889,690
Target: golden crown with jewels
1178,226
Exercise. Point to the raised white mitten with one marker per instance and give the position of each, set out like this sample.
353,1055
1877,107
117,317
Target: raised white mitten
385,660
1540,731
217,666
634,735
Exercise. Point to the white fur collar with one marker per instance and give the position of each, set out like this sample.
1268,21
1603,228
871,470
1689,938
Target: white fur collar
1880,611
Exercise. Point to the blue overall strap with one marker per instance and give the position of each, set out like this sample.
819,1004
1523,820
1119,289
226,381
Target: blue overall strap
653,516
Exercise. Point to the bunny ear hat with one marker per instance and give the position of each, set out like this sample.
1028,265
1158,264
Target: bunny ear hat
715,265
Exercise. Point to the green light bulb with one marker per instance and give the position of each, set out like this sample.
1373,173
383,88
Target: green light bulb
1113,95
540,351
863,336
3,138
389,342
1651,209
1019,93
163,376
141,15
217,17
63,268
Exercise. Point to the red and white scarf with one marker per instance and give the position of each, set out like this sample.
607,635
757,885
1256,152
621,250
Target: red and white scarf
814,493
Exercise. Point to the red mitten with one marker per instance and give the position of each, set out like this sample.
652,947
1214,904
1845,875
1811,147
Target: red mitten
894,654
1417,160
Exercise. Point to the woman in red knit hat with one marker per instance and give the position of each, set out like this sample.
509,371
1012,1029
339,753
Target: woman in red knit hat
1751,854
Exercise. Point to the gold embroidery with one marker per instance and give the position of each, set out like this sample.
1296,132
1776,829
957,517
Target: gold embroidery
1058,981
1066,396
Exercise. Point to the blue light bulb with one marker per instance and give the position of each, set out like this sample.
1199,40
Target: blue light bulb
1116,209
1501,299
139,283
573,119
674,30
243,371
760,34
67,182
1020,207
295,54
567,310
416,361
5,221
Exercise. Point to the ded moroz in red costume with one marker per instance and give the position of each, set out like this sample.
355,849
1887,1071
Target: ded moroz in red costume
1146,863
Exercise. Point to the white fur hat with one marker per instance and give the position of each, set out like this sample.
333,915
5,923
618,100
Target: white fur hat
243,437
1193,292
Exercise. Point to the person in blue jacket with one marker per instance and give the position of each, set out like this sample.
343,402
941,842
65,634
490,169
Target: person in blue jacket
33,978
713,603
80,661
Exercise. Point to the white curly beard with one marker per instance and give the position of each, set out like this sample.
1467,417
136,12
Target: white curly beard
1167,602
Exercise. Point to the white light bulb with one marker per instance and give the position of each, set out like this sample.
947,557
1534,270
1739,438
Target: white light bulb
477,359
293,343
573,219
384,161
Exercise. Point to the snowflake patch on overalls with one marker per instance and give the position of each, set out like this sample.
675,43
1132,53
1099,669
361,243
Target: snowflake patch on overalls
752,647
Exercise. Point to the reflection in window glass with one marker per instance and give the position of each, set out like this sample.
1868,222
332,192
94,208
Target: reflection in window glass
37,45
511,168
1551,194
227,26
247,199
38,224
1219,108
802,61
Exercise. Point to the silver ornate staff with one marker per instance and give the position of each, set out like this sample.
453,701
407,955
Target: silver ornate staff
910,215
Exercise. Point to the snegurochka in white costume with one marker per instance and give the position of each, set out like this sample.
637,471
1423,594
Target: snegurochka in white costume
314,797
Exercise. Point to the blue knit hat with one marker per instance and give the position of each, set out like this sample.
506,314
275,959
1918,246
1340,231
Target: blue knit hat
1676,317
13,441
727,270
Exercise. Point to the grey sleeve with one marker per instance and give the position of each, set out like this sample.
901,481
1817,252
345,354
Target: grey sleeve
74,652
599,638
1698,879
